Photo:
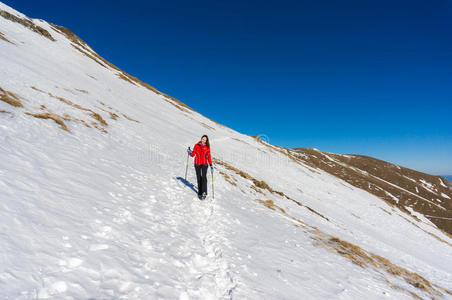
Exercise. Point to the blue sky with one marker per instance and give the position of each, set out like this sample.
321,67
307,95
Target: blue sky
361,77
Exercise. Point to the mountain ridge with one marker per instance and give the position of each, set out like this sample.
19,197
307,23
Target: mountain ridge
94,205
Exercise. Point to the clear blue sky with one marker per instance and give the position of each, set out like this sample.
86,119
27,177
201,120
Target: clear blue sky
365,77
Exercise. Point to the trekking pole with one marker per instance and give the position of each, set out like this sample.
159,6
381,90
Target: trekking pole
186,167
213,191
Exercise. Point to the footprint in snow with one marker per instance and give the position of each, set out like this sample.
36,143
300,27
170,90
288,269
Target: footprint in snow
54,289
98,247
71,263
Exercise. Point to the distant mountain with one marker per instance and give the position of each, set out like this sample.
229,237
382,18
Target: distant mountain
449,177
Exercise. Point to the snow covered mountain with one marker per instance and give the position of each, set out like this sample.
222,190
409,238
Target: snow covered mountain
94,204
411,191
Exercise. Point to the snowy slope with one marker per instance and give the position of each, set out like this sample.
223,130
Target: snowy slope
94,205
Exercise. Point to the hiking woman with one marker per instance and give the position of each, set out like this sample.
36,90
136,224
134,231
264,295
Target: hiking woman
201,152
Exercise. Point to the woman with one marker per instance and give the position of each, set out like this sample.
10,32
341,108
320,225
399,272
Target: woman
201,151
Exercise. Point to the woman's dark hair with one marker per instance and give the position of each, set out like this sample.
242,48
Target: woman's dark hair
207,140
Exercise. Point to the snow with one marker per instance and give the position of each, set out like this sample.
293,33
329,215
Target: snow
87,214
428,186
419,215
409,178
392,196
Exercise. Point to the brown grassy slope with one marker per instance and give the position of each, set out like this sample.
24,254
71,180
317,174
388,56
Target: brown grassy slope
27,23
10,98
380,178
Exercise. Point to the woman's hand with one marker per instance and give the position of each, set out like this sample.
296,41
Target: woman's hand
189,151
211,168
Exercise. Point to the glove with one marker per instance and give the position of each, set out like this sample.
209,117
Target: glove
211,168
189,151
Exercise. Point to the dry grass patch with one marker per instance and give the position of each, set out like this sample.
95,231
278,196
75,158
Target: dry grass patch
91,113
4,111
98,117
353,252
95,125
113,115
69,34
388,212
84,123
257,183
129,118
411,278
64,100
316,212
88,55
51,116
356,216
363,258
125,78
82,91
239,140
270,204
228,178
260,186
2,37
257,189
10,98
67,117
399,288
36,89
207,126
179,107
78,106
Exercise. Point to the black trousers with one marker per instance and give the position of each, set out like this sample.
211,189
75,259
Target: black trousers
201,176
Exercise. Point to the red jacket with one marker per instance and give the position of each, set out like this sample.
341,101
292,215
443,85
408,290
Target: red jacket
202,154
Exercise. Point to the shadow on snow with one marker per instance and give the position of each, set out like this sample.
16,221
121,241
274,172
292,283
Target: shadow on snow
187,183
